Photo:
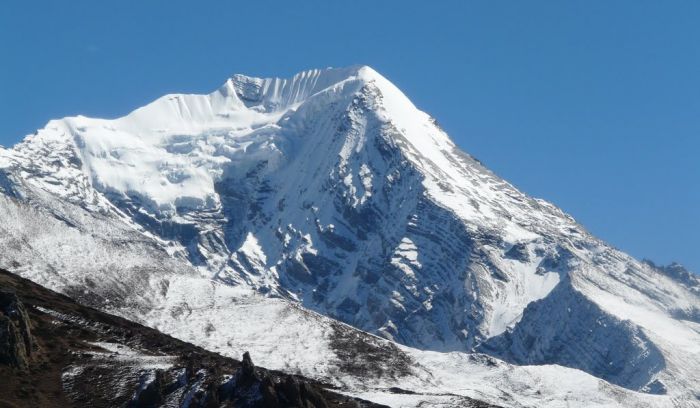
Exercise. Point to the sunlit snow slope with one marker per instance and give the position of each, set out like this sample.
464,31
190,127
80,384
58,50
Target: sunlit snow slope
331,189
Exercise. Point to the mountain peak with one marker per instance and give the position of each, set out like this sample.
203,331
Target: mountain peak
332,189
278,93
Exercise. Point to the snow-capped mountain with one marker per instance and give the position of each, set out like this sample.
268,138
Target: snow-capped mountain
330,197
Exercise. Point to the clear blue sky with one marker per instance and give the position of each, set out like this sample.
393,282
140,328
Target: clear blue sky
593,105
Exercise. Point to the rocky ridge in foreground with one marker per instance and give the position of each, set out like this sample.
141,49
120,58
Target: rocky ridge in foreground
55,352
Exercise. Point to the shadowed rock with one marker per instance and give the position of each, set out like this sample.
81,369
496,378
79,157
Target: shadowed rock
16,341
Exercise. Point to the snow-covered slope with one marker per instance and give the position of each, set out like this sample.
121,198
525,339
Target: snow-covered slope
333,191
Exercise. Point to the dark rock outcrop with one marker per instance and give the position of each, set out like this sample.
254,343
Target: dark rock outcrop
518,252
252,387
16,342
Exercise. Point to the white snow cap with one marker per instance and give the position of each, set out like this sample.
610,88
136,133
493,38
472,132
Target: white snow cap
280,93
169,153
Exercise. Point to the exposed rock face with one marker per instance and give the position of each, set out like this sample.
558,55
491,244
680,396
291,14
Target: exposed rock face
252,387
152,390
16,342
623,353
12,351
679,273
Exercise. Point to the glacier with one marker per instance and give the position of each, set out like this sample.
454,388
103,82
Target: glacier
304,217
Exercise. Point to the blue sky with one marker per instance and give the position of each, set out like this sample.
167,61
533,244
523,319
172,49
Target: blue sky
593,105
